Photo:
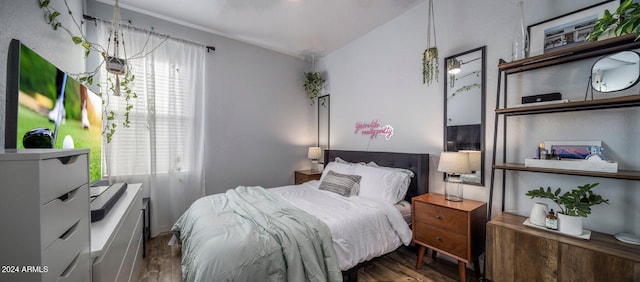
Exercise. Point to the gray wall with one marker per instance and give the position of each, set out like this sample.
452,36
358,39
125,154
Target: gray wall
378,76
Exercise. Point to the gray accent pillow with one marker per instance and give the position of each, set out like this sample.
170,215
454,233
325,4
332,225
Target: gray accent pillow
342,184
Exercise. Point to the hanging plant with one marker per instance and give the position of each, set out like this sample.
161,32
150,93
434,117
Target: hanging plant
313,84
430,65
119,74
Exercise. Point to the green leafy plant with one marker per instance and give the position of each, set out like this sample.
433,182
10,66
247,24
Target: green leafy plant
430,65
624,20
313,84
576,202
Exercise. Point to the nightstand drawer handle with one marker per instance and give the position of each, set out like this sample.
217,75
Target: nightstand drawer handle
438,238
438,217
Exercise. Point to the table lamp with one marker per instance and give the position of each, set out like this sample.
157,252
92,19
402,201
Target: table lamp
454,164
314,154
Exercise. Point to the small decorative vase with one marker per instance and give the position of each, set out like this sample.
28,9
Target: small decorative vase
571,225
520,44
538,214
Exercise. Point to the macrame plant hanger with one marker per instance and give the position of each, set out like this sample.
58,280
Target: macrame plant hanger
114,63
430,65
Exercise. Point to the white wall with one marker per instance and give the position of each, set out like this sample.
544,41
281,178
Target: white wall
378,76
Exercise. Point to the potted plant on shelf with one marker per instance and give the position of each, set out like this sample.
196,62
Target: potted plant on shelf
624,20
574,205
313,84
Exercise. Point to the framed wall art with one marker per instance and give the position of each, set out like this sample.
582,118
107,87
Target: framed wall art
567,30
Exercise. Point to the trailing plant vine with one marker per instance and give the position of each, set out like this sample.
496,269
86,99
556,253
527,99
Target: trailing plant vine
430,62
464,88
430,66
117,84
313,84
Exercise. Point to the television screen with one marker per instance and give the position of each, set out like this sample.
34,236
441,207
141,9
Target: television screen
46,95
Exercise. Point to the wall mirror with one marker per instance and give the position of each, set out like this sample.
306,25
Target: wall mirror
323,124
615,72
464,109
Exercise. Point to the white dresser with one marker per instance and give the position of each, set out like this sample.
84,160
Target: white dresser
44,214
116,240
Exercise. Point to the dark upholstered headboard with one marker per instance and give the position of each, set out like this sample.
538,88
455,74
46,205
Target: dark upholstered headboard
418,163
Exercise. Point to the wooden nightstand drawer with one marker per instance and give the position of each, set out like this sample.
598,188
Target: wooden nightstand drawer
442,239
446,218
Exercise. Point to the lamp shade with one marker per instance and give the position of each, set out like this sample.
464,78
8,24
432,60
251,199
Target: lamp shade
454,162
314,153
474,159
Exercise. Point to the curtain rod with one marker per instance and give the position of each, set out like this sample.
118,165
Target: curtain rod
209,48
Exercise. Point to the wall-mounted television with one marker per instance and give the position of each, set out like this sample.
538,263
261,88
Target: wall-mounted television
39,95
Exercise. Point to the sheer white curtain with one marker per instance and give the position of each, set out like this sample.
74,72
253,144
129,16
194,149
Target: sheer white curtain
164,145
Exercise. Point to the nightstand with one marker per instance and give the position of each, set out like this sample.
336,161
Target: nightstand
456,229
302,176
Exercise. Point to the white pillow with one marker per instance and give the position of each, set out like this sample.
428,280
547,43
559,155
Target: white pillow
337,167
389,186
339,160
407,171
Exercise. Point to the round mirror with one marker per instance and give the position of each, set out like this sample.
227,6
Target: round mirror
615,72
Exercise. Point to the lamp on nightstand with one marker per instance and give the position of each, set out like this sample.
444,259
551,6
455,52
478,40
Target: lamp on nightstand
454,164
314,154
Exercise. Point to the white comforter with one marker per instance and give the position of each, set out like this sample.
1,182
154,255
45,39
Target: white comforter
361,229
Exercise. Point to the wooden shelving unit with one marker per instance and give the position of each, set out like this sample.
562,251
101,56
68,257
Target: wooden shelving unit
607,103
583,51
579,52
621,174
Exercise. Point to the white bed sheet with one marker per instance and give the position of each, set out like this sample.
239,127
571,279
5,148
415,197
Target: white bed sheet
361,229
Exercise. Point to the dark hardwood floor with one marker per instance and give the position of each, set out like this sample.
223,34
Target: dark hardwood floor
163,264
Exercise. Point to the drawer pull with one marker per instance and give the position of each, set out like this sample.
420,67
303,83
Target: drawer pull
69,196
70,231
438,238
438,217
68,160
70,268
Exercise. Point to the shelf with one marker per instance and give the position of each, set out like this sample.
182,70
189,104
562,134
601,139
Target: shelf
570,54
621,174
607,103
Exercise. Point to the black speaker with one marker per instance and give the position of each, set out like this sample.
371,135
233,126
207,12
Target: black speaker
541,98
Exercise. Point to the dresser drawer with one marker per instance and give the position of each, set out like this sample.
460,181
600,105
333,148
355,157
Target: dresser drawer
441,239
64,250
78,271
446,218
61,175
60,214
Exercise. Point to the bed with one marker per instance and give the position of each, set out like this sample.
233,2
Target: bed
302,232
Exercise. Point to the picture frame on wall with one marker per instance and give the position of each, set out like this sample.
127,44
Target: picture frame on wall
567,30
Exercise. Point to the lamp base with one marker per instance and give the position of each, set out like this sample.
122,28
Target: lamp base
453,189
316,166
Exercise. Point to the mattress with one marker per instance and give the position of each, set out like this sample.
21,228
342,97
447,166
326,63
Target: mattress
361,229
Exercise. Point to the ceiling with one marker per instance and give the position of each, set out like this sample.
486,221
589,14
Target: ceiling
296,27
